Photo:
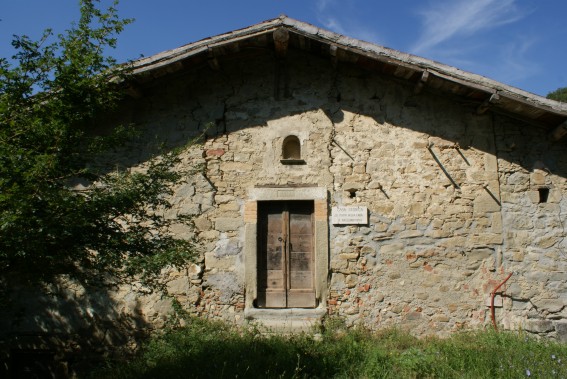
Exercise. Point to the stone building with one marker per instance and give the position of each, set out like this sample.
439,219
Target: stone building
344,178
349,179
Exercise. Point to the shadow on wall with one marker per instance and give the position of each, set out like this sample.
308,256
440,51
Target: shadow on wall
60,330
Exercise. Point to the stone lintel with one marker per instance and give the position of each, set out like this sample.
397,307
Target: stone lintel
298,193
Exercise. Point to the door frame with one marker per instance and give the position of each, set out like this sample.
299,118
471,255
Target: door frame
320,237
284,292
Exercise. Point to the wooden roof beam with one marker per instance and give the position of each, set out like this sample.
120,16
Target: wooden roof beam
281,41
212,60
493,99
422,82
333,53
559,132
133,90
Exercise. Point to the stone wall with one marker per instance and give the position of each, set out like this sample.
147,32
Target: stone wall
456,200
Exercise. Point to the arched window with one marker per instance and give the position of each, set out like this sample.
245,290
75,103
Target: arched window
291,148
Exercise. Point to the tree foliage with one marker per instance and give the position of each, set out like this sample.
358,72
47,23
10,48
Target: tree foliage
51,93
559,94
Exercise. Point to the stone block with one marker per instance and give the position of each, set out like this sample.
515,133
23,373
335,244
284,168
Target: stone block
337,281
351,281
440,318
215,153
225,263
547,241
413,316
349,256
496,224
182,231
226,284
194,271
480,254
537,178
393,248
367,250
539,326
561,329
193,296
223,199
551,305
189,209
394,275
229,207
353,186
209,235
184,191
410,234
179,286
226,224
202,223
533,196
338,264
484,203
226,247
485,239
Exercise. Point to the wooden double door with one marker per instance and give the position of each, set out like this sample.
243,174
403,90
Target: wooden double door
286,261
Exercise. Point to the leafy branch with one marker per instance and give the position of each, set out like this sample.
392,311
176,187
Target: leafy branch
51,99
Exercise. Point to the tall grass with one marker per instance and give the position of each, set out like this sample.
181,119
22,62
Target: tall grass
205,349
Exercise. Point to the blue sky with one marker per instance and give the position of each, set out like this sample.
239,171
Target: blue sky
522,43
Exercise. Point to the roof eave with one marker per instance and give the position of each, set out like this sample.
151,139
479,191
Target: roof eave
369,50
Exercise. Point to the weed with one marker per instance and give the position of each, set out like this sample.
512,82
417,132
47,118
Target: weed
205,349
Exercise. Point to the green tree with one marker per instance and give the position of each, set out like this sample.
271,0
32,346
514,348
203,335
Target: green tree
51,93
559,94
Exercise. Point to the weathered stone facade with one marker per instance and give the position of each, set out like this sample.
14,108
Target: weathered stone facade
453,196
457,198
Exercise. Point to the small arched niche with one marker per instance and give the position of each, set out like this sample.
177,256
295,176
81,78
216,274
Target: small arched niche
291,150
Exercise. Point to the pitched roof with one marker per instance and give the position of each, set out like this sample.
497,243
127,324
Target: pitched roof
283,33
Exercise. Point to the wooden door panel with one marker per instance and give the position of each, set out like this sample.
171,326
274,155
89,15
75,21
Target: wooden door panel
276,299
300,280
300,261
285,254
300,243
300,247
274,259
301,300
275,280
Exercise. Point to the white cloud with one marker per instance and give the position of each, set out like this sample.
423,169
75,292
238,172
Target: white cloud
450,19
333,24
352,30
324,4
342,23
516,66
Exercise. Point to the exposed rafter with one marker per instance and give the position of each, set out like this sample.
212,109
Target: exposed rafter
212,60
333,53
281,41
493,99
133,91
559,132
422,82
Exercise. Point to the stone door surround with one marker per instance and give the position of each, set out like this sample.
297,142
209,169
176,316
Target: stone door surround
321,250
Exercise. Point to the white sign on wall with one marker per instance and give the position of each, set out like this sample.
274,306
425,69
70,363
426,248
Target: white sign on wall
349,215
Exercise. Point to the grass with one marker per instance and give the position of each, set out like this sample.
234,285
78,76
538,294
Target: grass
205,349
